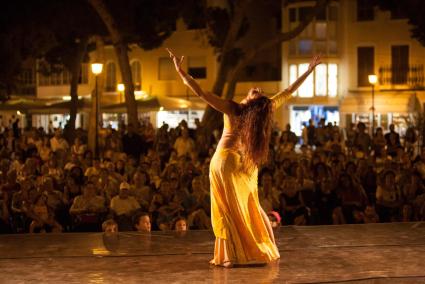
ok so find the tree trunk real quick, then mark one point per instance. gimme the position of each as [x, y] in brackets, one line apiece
[75, 70]
[121, 50]
[124, 62]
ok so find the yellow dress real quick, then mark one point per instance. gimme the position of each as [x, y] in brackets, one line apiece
[240, 231]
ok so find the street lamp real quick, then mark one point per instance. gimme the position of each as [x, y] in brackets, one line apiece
[373, 79]
[96, 69]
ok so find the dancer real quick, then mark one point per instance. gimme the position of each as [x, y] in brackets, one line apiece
[241, 227]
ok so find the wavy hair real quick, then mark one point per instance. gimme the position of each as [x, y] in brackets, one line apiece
[254, 125]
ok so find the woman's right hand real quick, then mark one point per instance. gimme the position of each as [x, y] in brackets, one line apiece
[177, 61]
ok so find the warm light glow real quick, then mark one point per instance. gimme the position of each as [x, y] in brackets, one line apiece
[161, 108]
[320, 80]
[332, 80]
[120, 87]
[373, 79]
[96, 68]
[140, 95]
[306, 90]
[66, 98]
[183, 105]
[18, 112]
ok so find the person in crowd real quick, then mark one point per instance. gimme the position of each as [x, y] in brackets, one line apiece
[275, 219]
[87, 209]
[43, 218]
[184, 144]
[124, 206]
[389, 198]
[58, 143]
[132, 143]
[142, 222]
[110, 226]
[392, 139]
[180, 224]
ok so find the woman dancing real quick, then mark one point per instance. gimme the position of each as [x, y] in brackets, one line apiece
[241, 227]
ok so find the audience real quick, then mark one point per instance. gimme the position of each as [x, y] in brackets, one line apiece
[147, 179]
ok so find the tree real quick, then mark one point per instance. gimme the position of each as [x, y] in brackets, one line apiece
[225, 30]
[73, 26]
[410, 9]
[145, 22]
[22, 36]
[57, 32]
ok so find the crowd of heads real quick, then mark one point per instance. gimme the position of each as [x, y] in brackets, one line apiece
[158, 179]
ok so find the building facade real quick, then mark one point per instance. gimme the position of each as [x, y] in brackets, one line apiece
[356, 40]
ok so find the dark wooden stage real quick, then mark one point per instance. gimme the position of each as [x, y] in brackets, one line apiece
[377, 253]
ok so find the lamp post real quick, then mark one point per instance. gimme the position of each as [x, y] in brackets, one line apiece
[373, 79]
[96, 69]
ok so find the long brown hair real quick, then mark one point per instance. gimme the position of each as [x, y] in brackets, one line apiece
[254, 125]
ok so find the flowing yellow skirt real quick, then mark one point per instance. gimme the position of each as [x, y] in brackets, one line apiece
[240, 231]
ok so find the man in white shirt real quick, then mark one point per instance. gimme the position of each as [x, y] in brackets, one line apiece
[58, 142]
[123, 203]
[184, 145]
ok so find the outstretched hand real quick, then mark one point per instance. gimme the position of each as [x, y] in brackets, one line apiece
[177, 61]
[316, 60]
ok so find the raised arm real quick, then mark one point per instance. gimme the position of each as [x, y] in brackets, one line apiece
[224, 106]
[279, 98]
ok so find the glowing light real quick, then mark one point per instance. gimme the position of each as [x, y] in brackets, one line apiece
[373, 79]
[120, 87]
[161, 108]
[96, 68]
[66, 98]
[18, 112]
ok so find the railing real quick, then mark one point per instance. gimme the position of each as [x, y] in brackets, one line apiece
[411, 76]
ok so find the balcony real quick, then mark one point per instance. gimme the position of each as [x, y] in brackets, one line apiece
[408, 76]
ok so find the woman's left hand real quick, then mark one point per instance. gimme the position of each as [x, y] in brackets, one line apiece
[316, 60]
[177, 61]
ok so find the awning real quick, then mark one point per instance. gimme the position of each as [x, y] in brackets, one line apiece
[62, 107]
[22, 104]
[154, 104]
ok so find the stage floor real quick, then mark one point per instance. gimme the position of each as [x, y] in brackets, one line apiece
[375, 253]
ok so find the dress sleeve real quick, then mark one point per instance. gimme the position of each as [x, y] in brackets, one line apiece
[279, 98]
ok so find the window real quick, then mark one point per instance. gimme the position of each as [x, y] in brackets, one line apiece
[320, 80]
[111, 80]
[323, 81]
[319, 36]
[61, 76]
[305, 47]
[136, 73]
[365, 65]
[399, 64]
[303, 13]
[166, 69]
[332, 80]
[306, 90]
[197, 67]
[365, 10]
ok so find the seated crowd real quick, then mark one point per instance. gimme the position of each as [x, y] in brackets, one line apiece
[147, 179]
